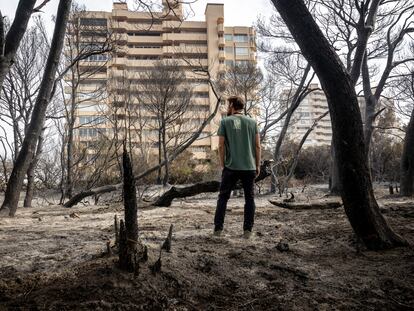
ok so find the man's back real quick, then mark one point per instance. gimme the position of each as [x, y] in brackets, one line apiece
[239, 133]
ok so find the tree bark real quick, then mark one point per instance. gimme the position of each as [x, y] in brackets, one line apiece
[31, 171]
[335, 185]
[129, 232]
[203, 187]
[69, 143]
[357, 192]
[15, 183]
[9, 44]
[166, 166]
[407, 161]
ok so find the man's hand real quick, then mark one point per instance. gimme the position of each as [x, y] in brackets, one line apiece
[257, 171]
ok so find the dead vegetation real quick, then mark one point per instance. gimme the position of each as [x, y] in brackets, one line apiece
[298, 260]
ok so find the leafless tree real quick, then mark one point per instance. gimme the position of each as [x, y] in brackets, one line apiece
[243, 80]
[166, 94]
[364, 33]
[9, 43]
[89, 44]
[404, 91]
[286, 64]
[357, 194]
[35, 126]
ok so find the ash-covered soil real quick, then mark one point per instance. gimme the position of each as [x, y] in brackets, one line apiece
[51, 261]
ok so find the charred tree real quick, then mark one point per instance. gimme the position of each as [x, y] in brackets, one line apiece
[27, 150]
[31, 171]
[203, 187]
[407, 161]
[9, 43]
[348, 138]
[109, 188]
[128, 235]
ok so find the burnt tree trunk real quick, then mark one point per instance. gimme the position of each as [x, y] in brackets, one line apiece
[348, 137]
[407, 161]
[31, 171]
[203, 187]
[14, 186]
[128, 235]
[9, 43]
[335, 185]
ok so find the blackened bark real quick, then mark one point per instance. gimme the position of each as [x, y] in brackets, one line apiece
[335, 185]
[69, 143]
[34, 128]
[9, 44]
[31, 171]
[129, 232]
[407, 161]
[164, 147]
[203, 187]
[357, 193]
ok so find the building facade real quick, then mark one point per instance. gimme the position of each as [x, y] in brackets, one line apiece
[313, 106]
[143, 39]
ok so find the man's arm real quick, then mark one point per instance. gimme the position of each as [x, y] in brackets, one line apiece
[258, 154]
[221, 151]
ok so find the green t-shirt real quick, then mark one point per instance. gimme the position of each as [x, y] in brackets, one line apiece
[239, 133]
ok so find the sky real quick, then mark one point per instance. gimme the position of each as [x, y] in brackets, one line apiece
[236, 12]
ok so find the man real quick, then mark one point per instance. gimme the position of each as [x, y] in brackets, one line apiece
[239, 155]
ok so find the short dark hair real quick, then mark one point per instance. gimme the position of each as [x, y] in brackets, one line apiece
[236, 102]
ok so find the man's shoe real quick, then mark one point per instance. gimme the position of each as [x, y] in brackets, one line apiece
[247, 234]
[217, 232]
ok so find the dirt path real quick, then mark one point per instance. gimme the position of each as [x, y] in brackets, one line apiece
[50, 261]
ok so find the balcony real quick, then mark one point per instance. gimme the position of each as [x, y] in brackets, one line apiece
[169, 50]
[220, 28]
[222, 55]
[119, 25]
[121, 38]
[144, 39]
[144, 51]
[184, 37]
[119, 62]
[221, 41]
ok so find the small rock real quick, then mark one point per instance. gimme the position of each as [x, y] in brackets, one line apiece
[282, 246]
[74, 215]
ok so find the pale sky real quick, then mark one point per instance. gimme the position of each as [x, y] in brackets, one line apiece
[236, 12]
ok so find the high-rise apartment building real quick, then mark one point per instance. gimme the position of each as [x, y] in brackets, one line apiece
[143, 39]
[313, 106]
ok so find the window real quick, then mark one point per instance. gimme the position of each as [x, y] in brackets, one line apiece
[221, 48]
[229, 62]
[201, 95]
[228, 37]
[241, 62]
[93, 21]
[91, 120]
[88, 132]
[97, 58]
[229, 49]
[242, 51]
[241, 38]
[221, 61]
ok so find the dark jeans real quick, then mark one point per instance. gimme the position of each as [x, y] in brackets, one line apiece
[229, 179]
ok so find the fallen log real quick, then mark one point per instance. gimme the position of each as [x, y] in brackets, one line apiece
[203, 187]
[307, 205]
